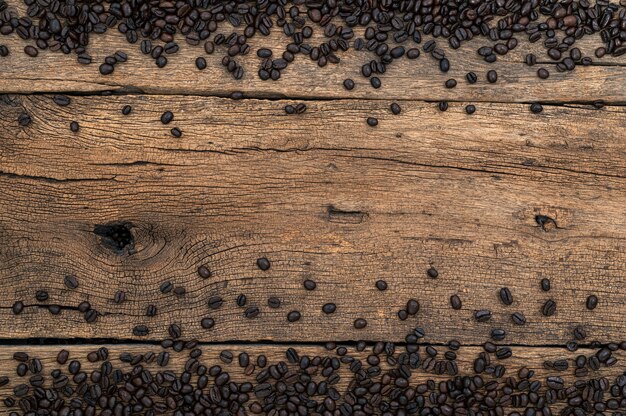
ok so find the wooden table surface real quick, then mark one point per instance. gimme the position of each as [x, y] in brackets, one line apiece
[322, 195]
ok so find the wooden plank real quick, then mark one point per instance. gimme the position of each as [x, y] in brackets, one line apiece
[418, 80]
[531, 358]
[341, 203]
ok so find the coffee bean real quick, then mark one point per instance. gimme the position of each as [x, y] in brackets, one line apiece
[372, 122]
[251, 312]
[360, 323]
[443, 106]
[167, 117]
[290, 109]
[62, 356]
[412, 307]
[176, 132]
[293, 316]
[444, 66]
[592, 302]
[492, 76]
[263, 263]
[215, 302]
[180, 291]
[381, 285]
[166, 287]
[151, 310]
[91, 315]
[207, 323]
[17, 307]
[141, 331]
[470, 109]
[106, 69]
[24, 119]
[84, 306]
[120, 296]
[74, 127]
[71, 282]
[455, 302]
[498, 334]
[273, 302]
[536, 108]
[241, 300]
[41, 295]
[200, 63]
[54, 309]
[329, 308]
[62, 100]
[375, 82]
[531, 59]
[348, 84]
[174, 331]
[451, 83]
[518, 318]
[543, 73]
[4, 51]
[126, 110]
[505, 296]
[309, 284]
[545, 284]
[549, 308]
[580, 333]
[31, 51]
[395, 108]
[204, 272]
[482, 315]
[471, 77]
[432, 273]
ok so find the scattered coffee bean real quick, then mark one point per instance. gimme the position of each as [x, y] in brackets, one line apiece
[372, 122]
[263, 263]
[395, 108]
[592, 302]
[455, 302]
[536, 108]
[309, 284]
[167, 117]
[293, 316]
[381, 285]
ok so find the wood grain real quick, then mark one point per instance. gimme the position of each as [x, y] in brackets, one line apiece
[418, 80]
[531, 358]
[341, 203]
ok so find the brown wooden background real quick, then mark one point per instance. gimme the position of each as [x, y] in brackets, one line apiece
[322, 195]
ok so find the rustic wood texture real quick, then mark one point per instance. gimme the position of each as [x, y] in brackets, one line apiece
[418, 80]
[531, 358]
[341, 203]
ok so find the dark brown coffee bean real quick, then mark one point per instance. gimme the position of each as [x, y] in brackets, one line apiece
[536, 108]
[545, 284]
[432, 273]
[84, 307]
[215, 302]
[176, 132]
[518, 318]
[204, 272]
[492, 76]
[54, 309]
[62, 100]
[471, 77]
[470, 109]
[24, 119]
[31, 51]
[372, 122]
[263, 263]
[348, 84]
[241, 300]
[451, 83]
[21, 357]
[180, 291]
[174, 331]
[309, 284]
[549, 308]
[592, 302]
[443, 106]
[71, 282]
[455, 302]
[41, 295]
[360, 323]
[482, 315]
[207, 323]
[126, 110]
[505, 296]
[120, 296]
[91, 315]
[166, 287]
[200, 63]
[381, 285]
[329, 308]
[106, 69]
[412, 307]
[273, 302]
[543, 73]
[167, 117]
[141, 331]
[251, 312]
[395, 108]
[293, 316]
[18, 307]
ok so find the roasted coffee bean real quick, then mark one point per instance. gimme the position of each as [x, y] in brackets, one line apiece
[54, 309]
[443, 106]
[309, 284]
[543, 73]
[180, 291]
[174, 331]
[470, 109]
[74, 127]
[4, 51]
[432, 273]
[395, 108]
[241, 300]
[106, 69]
[62, 100]
[41, 295]
[505, 296]
[360, 323]
[329, 308]
[492, 76]
[381, 285]
[372, 122]
[120, 296]
[536, 108]
[412, 307]
[580, 333]
[176, 132]
[290, 109]
[518, 318]
[71, 282]
[498, 334]
[151, 310]
[215, 302]
[293, 316]
[141, 331]
[549, 308]
[200, 63]
[18, 307]
[84, 306]
[471, 77]
[592, 302]
[482, 315]
[166, 287]
[273, 302]
[451, 83]
[126, 110]
[167, 117]
[348, 84]
[207, 323]
[204, 272]
[251, 312]
[455, 302]
[31, 51]
[263, 263]
[545, 284]
[24, 119]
